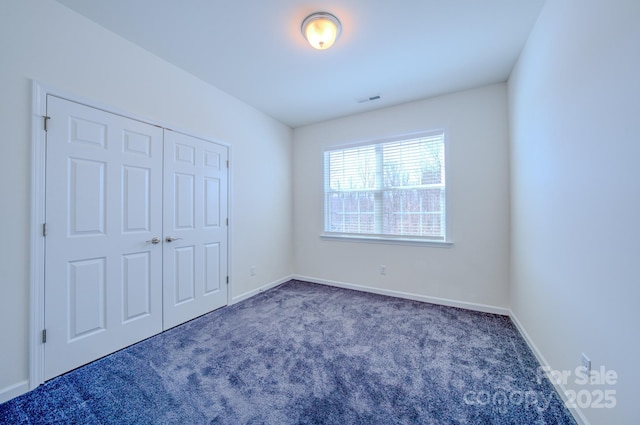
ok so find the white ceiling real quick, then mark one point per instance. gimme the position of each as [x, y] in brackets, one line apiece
[402, 50]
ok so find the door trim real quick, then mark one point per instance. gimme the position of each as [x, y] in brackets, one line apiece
[36, 271]
[37, 214]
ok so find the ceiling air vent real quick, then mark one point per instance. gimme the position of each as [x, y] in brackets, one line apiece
[369, 99]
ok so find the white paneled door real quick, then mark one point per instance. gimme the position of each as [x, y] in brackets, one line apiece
[104, 260]
[195, 229]
[103, 206]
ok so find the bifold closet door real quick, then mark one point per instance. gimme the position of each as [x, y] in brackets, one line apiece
[195, 227]
[103, 267]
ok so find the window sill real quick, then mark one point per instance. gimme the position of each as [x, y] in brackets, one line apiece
[383, 240]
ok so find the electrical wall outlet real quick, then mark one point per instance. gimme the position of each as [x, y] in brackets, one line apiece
[383, 270]
[586, 364]
[252, 270]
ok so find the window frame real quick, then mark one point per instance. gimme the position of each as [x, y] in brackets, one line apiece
[383, 238]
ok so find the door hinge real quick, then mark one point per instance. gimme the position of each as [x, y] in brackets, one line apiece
[44, 336]
[46, 122]
[227, 280]
[227, 221]
[227, 163]
[44, 229]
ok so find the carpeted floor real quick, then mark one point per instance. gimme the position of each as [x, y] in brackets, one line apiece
[312, 354]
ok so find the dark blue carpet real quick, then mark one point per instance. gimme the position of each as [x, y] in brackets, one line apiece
[306, 353]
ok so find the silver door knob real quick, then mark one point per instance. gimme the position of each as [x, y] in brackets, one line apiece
[154, 241]
[170, 239]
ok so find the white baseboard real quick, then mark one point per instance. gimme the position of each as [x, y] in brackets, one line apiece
[409, 296]
[13, 391]
[577, 413]
[249, 294]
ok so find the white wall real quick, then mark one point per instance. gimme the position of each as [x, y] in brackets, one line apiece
[42, 40]
[574, 101]
[475, 269]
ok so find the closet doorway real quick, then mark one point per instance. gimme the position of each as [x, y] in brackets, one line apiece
[135, 233]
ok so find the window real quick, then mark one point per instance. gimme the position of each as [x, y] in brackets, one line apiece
[390, 190]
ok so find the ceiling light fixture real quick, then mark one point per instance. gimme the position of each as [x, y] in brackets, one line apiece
[321, 29]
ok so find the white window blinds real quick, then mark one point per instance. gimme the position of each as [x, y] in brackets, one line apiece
[390, 189]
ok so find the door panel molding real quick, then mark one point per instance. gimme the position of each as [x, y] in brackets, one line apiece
[88, 186]
[195, 186]
[91, 134]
